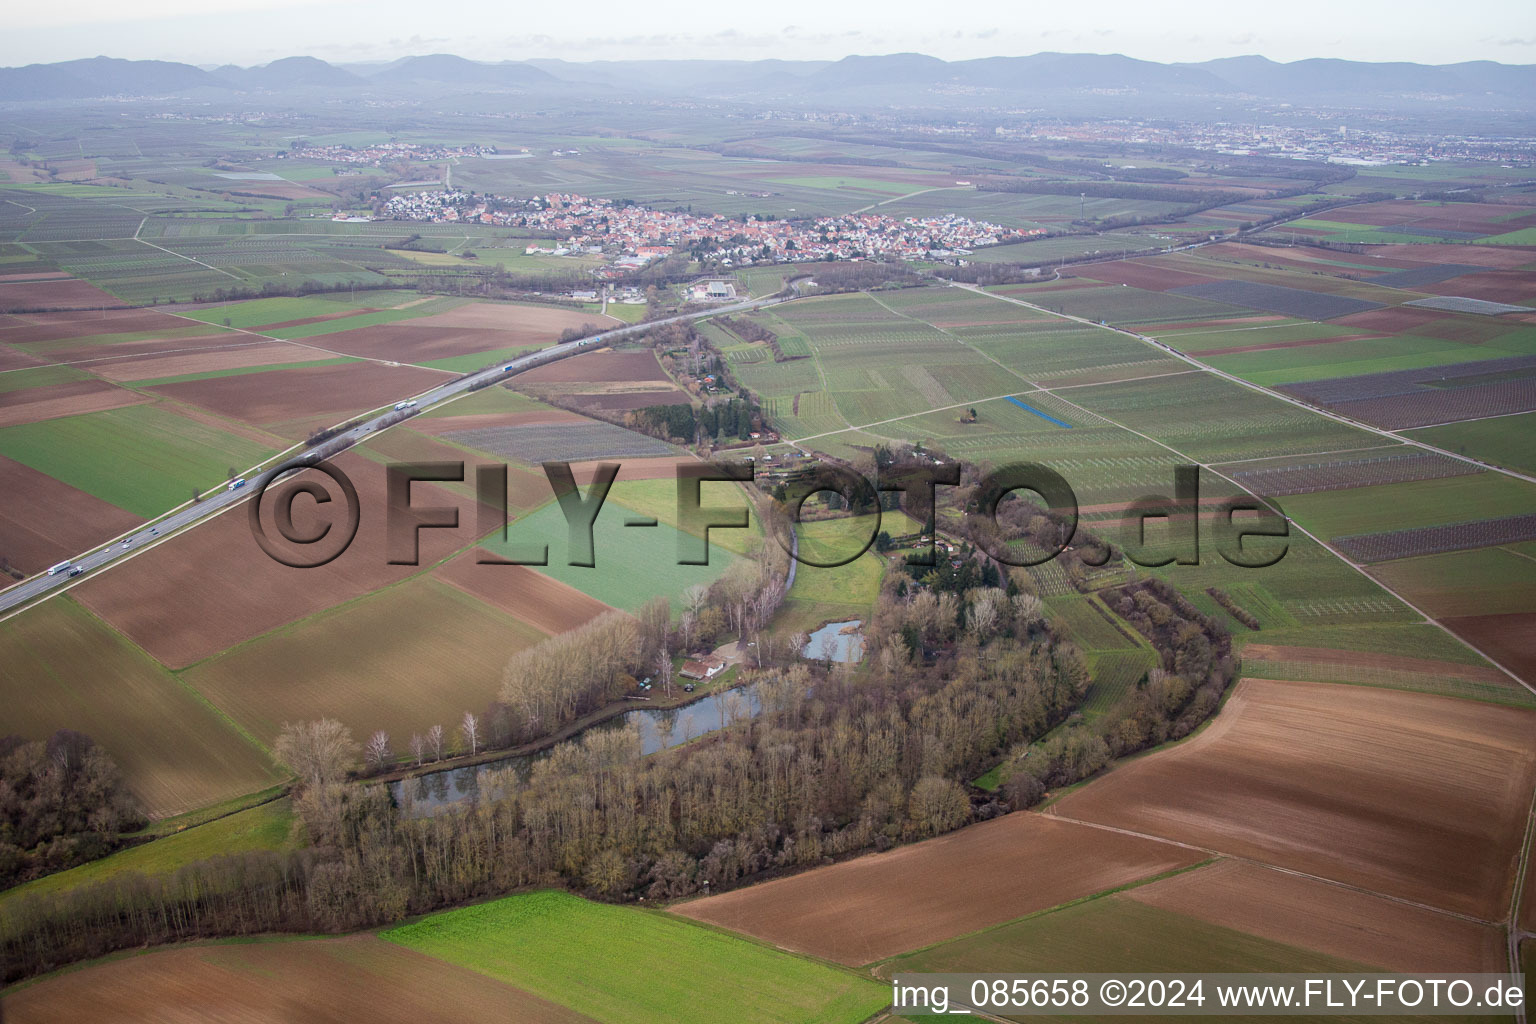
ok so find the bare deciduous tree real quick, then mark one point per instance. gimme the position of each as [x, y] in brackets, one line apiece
[664, 671]
[469, 729]
[418, 748]
[317, 752]
[435, 741]
[377, 752]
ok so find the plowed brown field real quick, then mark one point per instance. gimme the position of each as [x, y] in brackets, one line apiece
[480, 421]
[356, 978]
[544, 603]
[1509, 639]
[64, 293]
[1140, 275]
[1393, 319]
[293, 402]
[14, 359]
[33, 405]
[43, 520]
[409, 343]
[54, 326]
[1406, 794]
[1493, 285]
[623, 401]
[1497, 257]
[226, 357]
[596, 367]
[882, 904]
[1329, 918]
[90, 353]
[510, 317]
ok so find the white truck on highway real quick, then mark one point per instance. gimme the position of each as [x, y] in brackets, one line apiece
[55, 570]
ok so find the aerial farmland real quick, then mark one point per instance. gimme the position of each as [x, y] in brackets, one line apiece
[617, 541]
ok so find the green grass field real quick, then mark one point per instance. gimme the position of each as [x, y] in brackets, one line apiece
[1450, 499]
[658, 498]
[259, 312]
[42, 376]
[1487, 581]
[1347, 358]
[268, 826]
[632, 564]
[1503, 440]
[144, 459]
[638, 966]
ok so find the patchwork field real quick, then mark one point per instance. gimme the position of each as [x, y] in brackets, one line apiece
[43, 520]
[875, 906]
[321, 980]
[65, 669]
[1409, 795]
[76, 398]
[400, 660]
[293, 402]
[630, 960]
[215, 587]
[1331, 919]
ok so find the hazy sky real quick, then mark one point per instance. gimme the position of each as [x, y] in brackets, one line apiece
[256, 31]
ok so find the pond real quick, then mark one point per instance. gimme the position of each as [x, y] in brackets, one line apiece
[660, 728]
[836, 641]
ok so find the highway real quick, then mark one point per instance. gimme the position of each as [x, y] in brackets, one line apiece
[44, 585]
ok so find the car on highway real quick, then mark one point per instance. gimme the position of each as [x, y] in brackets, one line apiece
[76, 570]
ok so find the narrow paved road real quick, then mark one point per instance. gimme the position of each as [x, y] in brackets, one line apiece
[44, 585]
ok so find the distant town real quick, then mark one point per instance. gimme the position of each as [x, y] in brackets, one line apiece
[636, 234]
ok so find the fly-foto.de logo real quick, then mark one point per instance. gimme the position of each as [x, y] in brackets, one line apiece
[1246, 530]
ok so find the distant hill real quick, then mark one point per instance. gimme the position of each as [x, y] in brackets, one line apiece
[104, 76]
[290, 73]
[1070, 82]
[444, 69]
[1329, 78]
